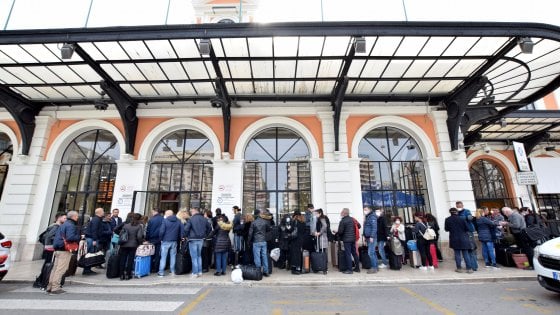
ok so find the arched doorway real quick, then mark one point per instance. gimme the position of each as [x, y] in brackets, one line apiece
[87, 173]
[489, 185]
[6, 151]
[392, 173]
[277, 172]
[181, 172]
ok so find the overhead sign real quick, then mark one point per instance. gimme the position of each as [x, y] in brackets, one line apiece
[521, 157]
[527, 178]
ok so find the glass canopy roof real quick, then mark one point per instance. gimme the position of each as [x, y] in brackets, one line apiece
[419, 62]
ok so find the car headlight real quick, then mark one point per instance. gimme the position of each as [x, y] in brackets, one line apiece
[536, 251]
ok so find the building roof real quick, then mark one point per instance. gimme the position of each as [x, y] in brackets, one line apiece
[476, 69]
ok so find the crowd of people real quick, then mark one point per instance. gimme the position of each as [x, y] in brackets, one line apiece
[256, 234]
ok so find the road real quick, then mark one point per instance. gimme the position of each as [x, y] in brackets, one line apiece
[519, 297]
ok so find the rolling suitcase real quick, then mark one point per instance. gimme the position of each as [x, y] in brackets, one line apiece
[341, 259]
[318, 259]
[251, 273]
[113, 266]
[334, 256]
[503, 256]
[415, 260]
[365, 260]
[395, 261]
[306, 268]
[141, 266]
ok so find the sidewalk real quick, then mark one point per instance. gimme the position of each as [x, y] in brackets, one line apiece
[27, 271]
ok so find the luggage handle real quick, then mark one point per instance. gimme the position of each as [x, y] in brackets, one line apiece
[317, 247]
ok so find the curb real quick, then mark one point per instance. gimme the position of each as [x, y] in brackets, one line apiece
[314, 283]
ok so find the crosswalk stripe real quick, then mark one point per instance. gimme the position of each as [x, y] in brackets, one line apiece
[47, 304]
[119, 290]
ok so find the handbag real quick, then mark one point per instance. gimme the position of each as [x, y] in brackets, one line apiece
[396, 246]
[429, 234]
[145, 250]
[411, 244]
[91, 259]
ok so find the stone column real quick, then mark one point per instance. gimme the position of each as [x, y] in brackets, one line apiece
[16, 206]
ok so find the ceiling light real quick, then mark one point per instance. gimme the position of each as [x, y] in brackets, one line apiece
[67, 51]
[204, 46]
[360, 45]
[526, 45]
[503, 122]
[550, 148]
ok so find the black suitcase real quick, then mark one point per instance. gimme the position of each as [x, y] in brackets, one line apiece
[72, 266]
[45, 275]
[318, 259]
[365, 260]
[183, 263]
[341, 259]
[503, 256]
[251, 273]
[113, 266]
[395, 261]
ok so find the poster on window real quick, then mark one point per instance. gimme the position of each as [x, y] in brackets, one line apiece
[521, 157]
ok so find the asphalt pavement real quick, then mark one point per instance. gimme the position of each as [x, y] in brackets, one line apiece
[517, 297]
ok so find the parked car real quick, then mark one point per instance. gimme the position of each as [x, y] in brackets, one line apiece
[547, 264]
[5, 245]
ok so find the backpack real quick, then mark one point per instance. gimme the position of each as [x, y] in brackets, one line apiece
[123, 236]
[330, 235]
[429, 234]
[45, 233]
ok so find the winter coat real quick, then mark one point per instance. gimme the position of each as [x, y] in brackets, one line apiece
[346, 230]
[466, 213]
[94, 228]
[381, 229]
[516, 222]
[236, 224]
[171, 229]
[69, 231]
[106, 232]
[135, 235]
[50, 234]
[486, 229]
[419, 230]
[370, 225]
[115, 221]
[458, 232]
[400, 231]
[223, 243]
[197, 228]
[154, 225]
[296, 245]
[259, 228]
[287, 226]
[322, 228]
[496, 219]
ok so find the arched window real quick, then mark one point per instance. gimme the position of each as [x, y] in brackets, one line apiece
[87, 173]
[6, 152]
[392, 173]
[277, 173]
[489, 184]
[181, 172]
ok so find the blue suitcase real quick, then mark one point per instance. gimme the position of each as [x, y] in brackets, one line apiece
[142, 266]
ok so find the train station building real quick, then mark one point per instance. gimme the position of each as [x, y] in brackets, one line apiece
[404, 116]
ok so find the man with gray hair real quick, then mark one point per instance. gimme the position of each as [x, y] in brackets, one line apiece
[347, 233]
[516, 224]
[66, 234]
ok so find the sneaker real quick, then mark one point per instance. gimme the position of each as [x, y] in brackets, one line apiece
[57, 292]
[431, 268]
[459, 270]
[223, 273]
[488, 266]
[266, 274]
[423, 268]
[470, 271]
[89, 272]
[160, 275]
[370, 271]
[199, 275]
[495, 267]
[347, 272]
[172, 274]
[194, 275]
[382, 266]
[217, 273]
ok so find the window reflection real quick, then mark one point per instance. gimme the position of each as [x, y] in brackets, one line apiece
[488, 182]
[277, 173]
[392, 173]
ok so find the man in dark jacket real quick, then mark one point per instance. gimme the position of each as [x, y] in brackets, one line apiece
[382, 237]
[152, 236]
[66, 232]
[170, 233]
[237, 237]
[115, 219]
[94, 236]
[347, 234]
[257, 234]
[467, 215]
[196, 230]
[371, 233]
[458, 230]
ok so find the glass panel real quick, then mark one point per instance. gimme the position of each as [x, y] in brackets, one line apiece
[460, 46]
[284, 69]
[16, 53]
[186, 48]
[112, 50]
[184, 88]
[386, 46]
[304, 87]
[234, 47]
[324, 87]
[284, 87]
[92, 51]
[411, 46]
[374, 68]
[143, 89]
[151, 71]
[165, 89]
[396, 68]
[435, 46]
[86, 73]
[260, 47]
[262, 69]
[312, 46]
[136, 50]
[8, 78]
[285, 46]
[129, 71]
[25, 75]
[45, 74]
[175, 184]
[113, 72]
[307, 68]
[465, 68]
[440, 68]
[161, 49]
[329, 68]
[335, 45]
[174, 70]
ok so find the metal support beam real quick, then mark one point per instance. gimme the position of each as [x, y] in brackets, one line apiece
[457, 106]
[531, 141]
[474, 135]
[124, 103]
[339, 92]
[222, 100]
[23, 112]
[473, 115]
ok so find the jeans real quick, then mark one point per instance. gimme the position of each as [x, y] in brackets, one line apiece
[381, 247]
[466, 257]
[238, 243]
[195, 249]
[472, 253]
[259, 252]
[221, 261]
[371, 253]
[488, 253]
[171, 248]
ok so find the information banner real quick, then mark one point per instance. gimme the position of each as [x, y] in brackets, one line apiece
[521, 157]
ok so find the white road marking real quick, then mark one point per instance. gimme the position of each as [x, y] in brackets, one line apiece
[118, 290]
[131, 306]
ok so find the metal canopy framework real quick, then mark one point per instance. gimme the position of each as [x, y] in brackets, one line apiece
[476, 71]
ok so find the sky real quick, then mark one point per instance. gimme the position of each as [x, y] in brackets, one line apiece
[31, 14]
